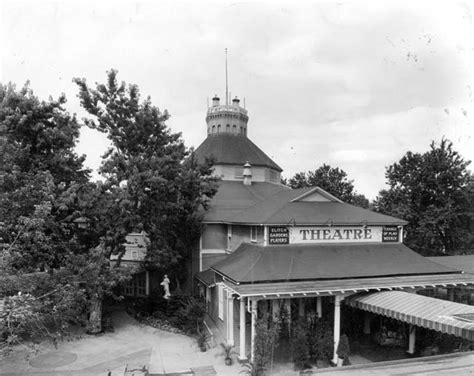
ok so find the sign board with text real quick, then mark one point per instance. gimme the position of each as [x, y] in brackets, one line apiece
[390, 234]
[335, 234]
[278, 235]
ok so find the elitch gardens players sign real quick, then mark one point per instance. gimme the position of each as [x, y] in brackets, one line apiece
[328, 234]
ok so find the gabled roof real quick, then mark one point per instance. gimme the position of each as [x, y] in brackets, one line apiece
[252, 263]
[266, 203]
[232, 149]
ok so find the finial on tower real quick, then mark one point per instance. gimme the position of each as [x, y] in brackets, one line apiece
[226, 81]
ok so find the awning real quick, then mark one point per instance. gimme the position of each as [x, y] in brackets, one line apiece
[431, 313]
[206, 277]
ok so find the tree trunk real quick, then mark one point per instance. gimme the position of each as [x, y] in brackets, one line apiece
[94, 325]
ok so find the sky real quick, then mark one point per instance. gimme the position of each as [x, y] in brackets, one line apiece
[353, 84]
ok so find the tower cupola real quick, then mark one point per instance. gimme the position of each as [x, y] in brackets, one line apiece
[226, 118]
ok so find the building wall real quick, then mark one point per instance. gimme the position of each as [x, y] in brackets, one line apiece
[259, 174]
[214, 236]
[218, 240]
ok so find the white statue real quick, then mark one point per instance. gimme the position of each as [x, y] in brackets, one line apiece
[166, 285]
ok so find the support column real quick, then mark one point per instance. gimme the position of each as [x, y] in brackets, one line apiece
[147, 283]
[451, 294]
[254, 324]
[287, 305]
[337, 325]
[319, 307]
[301, 307]
[242, 355]
[275, 309]
[367, 323]
[411, 340]
[230, 318]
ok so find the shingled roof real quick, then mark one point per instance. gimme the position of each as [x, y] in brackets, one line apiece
[273, 204]
[252, 263]
[232, 149]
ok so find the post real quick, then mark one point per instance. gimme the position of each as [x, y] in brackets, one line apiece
[230, 318]
[147, 283]
[337, 325]
[411, 340]
[287, 305]
[451, 294]
[242, 355]
[253, 328]
[367, 323]
[301, 307]
[275, 309]
[319, 308]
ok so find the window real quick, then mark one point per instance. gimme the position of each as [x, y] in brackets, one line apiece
[141, 286]
[219, 128]
[234, 128]
[227, 127]
[238, 173]
[136, 286]
[220, 293]
[134, 255]
[253, 233]
[229, 235]
[273, 175]
[213, 129]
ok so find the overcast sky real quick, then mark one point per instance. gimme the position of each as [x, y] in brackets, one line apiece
[354, 84]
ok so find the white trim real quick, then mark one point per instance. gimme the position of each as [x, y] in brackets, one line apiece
[305, 293]
[220, 302]
[210, 251]
[200, 253]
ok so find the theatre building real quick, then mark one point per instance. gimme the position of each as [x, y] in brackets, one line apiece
[265, 246]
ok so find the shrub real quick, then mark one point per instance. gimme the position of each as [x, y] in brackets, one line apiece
[266, 337]
[343, 349]
[299, 346]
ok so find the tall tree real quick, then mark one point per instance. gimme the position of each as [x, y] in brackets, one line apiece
[39, 162]
[165, 187]
[431, 192]
[333, 180]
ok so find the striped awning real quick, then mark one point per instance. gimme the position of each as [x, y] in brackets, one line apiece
[431, 313]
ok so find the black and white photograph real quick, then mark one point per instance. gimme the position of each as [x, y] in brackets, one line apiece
[236, 187]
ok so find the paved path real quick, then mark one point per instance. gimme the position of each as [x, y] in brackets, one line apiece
[137, 345]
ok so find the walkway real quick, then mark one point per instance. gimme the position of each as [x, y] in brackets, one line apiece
[137, 345]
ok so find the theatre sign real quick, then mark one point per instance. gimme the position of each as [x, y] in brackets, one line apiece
[330, 234]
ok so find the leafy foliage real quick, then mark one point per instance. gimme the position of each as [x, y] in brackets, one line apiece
[266, 339]
[300, 351]
[332, 180]
[433, 192]
[164, 185]
[343, 349]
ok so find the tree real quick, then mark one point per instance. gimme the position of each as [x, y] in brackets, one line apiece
[431, 191]
[39, 162]
[333, 180]
[45, 189]
[165, 187]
